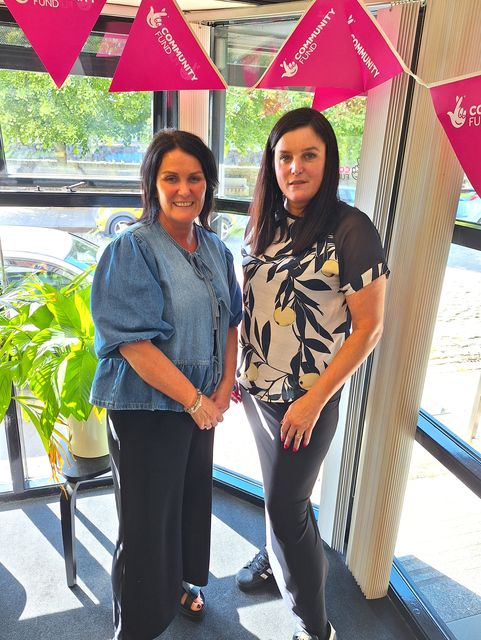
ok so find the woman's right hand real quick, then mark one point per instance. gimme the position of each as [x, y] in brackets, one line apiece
[207, 415]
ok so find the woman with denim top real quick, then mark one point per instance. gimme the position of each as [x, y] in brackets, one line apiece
[166, 305]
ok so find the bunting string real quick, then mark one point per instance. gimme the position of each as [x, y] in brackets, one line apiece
[337, 47]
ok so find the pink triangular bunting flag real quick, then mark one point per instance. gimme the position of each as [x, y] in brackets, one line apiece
[376, 59]
[163, 54]
[317, 53]
[56, 30]
[326, 97]
[458, 106]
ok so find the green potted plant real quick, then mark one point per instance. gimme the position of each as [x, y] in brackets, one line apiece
[47, 364]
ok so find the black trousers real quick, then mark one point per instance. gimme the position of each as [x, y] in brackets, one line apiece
[294, 543]
[162, 471]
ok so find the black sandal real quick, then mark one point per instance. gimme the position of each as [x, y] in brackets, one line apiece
[185, 607]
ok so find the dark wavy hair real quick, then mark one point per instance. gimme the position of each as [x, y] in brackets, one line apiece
[163, 142]
[267, 212]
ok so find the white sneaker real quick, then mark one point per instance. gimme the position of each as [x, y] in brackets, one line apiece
[302, 634]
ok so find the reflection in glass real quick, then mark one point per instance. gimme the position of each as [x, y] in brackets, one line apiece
[439, 544]
[452, 388]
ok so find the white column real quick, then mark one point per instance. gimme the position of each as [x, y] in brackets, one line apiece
[194, 105]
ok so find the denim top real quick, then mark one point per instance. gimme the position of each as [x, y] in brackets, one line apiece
[147, 287]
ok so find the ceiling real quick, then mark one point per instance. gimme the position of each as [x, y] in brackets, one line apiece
[220, 5]
[193, 5]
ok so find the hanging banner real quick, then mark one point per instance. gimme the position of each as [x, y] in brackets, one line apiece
[163, 54]
[377, 59]
[317, 53]
[337, 47]
[56, 29]
[458, 106]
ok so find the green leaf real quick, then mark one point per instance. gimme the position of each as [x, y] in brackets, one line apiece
[44, 383]
[33, 413]
[77, 383]
[82, 304]
[65, 314]
[6, 377]
[42, 317]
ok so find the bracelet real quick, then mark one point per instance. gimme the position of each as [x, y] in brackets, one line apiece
[197, 404]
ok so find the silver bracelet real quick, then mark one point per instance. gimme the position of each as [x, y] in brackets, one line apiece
[197, 404]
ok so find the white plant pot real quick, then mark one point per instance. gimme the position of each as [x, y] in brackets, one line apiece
[88, 439]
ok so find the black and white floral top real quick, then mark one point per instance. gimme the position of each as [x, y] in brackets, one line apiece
[295, 313]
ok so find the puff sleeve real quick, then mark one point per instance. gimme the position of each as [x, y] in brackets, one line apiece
[127, 300]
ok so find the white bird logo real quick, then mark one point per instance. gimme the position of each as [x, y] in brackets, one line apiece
[289, 69]
[154, 20]
[458, 116]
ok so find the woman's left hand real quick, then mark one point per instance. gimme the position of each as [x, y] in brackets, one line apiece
[222, 396]
[298, 422]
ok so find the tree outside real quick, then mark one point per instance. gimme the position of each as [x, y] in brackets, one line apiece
[251, 114]
[73, 123]
[86, 128]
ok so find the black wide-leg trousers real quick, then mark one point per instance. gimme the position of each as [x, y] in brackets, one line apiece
[162, 472]
[294, 543]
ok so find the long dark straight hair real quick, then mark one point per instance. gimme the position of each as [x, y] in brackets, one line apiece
[163, 142]
[267, 211]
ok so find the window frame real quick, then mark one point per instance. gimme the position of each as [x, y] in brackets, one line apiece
[460, 459]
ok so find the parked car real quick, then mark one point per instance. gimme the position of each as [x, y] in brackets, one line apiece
[111, 221]
[53, 255]
[469, 207]
[347, 194]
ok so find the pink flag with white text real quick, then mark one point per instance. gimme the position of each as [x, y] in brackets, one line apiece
[336, 47]
[57, 30]
[318, 52]
[376, 59]
[163, 54]
[458, 106]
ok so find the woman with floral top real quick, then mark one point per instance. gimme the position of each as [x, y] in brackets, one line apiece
[313, 267]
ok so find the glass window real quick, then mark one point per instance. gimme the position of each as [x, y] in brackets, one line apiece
[56, 256]
[438, 540]
[79, 133]
[36, 460]
[452, 388]
[438, 544]
[5, 475]
[59, 142]
[469, 206]
[249, 115]
[234, 447]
